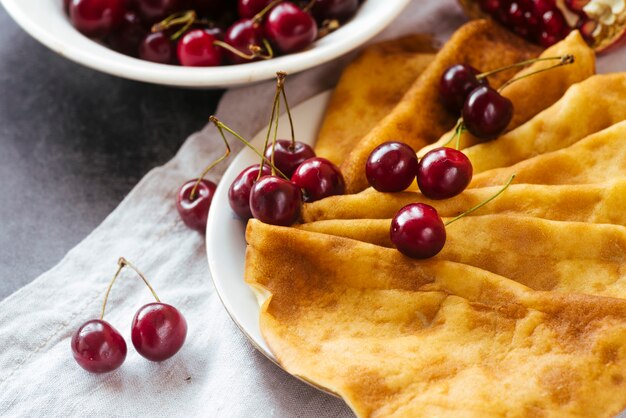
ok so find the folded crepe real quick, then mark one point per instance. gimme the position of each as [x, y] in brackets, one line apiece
[597, 158]
[369, 88]
[596, 203]
[533, 94]
[420, 118]
[538, 253]
[398, 337]
[587, 107]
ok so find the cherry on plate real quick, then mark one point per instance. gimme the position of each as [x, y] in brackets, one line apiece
[196, 49]
[288, 156]
[319, 178]
[241, 35]
[391, 167]
[98, 347]
[290, 28]
[455, 85]
[155, 10]
[248, 8]
[194, 212]
[239, 191]
[340, 10]
[157, 47]
[443, 173]
[275, 201]
[158, 331]
[127, 37]
[96, 18]
[487, 113]
[417, 231]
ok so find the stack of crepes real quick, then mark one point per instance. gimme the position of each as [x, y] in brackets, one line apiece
[523, 313]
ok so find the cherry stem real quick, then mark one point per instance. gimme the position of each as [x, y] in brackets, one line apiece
[269, 127]
[185, 18]
[258, 18]
[275, 136]
[327, 27]
[480, 205]
[255, 50]
[293, 134]
[121, 263]
[564, 60]
[523, 64]
[194, 190]
[458, 130]
[309, 6]
[223, 127]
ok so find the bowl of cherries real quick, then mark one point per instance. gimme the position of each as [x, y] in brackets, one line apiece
[202, 43]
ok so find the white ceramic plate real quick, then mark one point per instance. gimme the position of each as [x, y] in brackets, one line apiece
[225, 240]
[46, 22]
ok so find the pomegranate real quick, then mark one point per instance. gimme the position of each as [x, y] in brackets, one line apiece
[601, 22]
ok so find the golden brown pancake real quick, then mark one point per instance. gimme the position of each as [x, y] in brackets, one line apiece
[596, 203]
[598, 158]
[537, 92]
[397, 337]
[586, 108]
[541, 254]
[369, 87]
[419, 118]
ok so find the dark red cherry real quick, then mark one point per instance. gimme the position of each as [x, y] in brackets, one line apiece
[239, 191]
[287, 157]
[319, 178]
[153, 11]
[96, 18]
[290, 28]
[487, 113]
[417, 231]
[443, 173]
[158, 47]
[128, 36]
[158, 331]
[248, 8]
[455, 85]
[391, 167]
[194, 212]
[242, 35]
[275, 201]
[196, 49]
[340, 10]
[98, 347]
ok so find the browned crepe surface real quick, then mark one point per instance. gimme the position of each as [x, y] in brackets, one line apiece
[369, 87]
[398, 337]
[419, 118]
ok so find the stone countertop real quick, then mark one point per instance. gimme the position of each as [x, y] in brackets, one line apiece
[73, 143]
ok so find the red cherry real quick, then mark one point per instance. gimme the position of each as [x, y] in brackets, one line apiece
[194, 212]
[319, 178]
[96, 18]
[340, 10]
[157, 47]
[196, 49]
[241, 35]
[391, 167]
[287, 157]
[156, 10]
[487, 113]
[128, 36]
[455, 85]
[443, 173]
[158, 331]
[98, 347]
[417, 231]
[248, 8]
[290, 28]
[239, 191]
[275, 201]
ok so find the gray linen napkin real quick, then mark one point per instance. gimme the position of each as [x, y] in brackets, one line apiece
[218, 372]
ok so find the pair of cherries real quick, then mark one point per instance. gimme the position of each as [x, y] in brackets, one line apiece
[158, 331]
[273, 190]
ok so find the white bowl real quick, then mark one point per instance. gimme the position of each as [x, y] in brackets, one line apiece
[46, 22]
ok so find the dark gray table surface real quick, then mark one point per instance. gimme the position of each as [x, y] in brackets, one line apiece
[73, 143]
